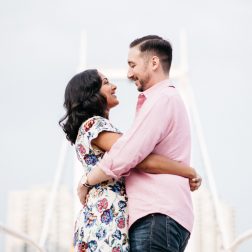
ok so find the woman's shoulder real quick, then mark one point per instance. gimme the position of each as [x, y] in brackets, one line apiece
[89, 129]
[92, 127]
[93, 122]
[97, 123]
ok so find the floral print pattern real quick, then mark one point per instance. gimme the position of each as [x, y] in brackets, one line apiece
[102, 224]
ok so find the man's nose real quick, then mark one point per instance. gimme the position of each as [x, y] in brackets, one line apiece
[130, 74]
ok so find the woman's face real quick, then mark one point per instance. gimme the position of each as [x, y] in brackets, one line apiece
[108, 91]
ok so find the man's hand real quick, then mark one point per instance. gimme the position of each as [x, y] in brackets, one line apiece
[195, 183]
[82, 193]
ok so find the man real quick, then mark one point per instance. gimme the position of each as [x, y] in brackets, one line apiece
[160, 207]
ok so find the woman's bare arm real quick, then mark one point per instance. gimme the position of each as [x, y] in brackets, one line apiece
[155, 163]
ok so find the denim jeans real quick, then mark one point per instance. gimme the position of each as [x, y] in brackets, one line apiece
[157, 233]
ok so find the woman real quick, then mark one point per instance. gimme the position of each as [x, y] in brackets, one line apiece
[102, 223]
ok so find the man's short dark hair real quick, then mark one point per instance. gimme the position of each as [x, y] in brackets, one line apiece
[159, 46]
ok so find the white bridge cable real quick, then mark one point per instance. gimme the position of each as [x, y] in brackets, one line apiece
[63, 152]
[189, 96]
[53, 194]
[239, 240]
[208, 167]
[21, 236]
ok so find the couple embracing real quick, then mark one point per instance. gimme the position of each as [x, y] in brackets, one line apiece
[136, 187]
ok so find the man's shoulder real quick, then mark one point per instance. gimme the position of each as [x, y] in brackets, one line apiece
[170, 90]
[167, 93]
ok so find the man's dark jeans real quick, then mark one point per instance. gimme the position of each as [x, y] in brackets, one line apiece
[157, 233]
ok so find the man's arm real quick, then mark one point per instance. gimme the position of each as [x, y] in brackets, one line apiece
[153, 163]
[151, 125]
[134, 146]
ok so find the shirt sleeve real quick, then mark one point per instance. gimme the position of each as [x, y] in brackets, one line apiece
[148, 129]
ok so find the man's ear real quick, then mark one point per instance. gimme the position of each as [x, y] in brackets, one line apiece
[155, 62]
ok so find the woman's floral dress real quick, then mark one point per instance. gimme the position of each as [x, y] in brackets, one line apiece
[102, 224]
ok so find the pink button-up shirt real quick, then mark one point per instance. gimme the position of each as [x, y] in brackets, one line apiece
[161, 126]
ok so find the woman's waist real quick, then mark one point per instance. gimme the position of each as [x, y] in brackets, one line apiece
[110, 189]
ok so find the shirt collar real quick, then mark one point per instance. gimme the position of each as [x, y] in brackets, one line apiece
[156, 87]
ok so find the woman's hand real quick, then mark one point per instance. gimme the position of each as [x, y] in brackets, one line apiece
[82, 192]
[195, 182]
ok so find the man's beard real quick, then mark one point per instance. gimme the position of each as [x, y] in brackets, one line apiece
[140, 89]
[143, 83]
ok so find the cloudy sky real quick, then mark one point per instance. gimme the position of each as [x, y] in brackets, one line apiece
[40, 51]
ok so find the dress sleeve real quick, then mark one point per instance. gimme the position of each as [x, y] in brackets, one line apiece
[93, 127]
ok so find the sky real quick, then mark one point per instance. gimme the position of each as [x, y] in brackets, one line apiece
[40, 52]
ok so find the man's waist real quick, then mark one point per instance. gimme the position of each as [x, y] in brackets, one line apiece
[137, 210]
[167, 194]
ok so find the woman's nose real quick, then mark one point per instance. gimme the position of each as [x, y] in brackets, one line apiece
[114, 87]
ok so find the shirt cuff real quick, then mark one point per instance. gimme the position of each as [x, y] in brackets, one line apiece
[107, 171]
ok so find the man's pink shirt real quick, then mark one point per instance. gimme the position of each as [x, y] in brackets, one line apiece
[161, 126]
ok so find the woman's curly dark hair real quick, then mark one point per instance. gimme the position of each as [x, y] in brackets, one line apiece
[82, 101]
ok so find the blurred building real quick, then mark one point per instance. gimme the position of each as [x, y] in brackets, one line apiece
[26, 212]
[205, 236]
